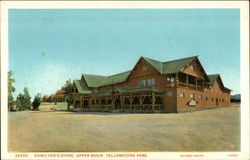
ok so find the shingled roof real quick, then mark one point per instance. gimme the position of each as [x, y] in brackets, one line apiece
[98, 81]
[170, 66]
[213, 77]
[163, 67]
[82, 87]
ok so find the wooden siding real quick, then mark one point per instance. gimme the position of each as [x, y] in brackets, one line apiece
[196, 72]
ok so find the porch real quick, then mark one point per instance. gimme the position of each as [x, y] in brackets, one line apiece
[185, 81]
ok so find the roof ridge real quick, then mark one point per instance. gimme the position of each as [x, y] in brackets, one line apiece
[152, 59]
[93, 75]
[181, 59]
[119, 73]
[213, 74]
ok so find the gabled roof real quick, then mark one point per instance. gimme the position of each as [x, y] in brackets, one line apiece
[156, 64]
[170, 66]
[98, 81]
[216, 77]
[82, 87]
[213, 77]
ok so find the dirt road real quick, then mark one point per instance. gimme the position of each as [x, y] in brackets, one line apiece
[207, 130]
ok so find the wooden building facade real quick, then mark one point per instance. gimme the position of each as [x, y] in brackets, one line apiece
[172, 86]
[59, 96]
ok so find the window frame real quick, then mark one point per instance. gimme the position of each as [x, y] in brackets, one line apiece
[181, 93]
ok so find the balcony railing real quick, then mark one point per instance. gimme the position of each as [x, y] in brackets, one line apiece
[185, 85]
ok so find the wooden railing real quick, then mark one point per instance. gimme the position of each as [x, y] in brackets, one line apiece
[185, 85]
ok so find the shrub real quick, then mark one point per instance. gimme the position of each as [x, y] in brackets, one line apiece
[36, 102]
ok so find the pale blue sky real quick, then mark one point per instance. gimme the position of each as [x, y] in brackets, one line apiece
[109, 41]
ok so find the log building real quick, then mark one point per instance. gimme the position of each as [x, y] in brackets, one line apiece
[172, 86]
[59, 96]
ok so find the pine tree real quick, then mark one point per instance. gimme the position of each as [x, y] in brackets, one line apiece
[27, 98]
[11, 90]
[68, 93]
[23, 100]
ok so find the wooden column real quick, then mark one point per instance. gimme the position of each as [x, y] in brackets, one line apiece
[153, 101]
[113, 103]
[130, 102]
[81, 104]
[202, 84]
[195, 82]
[140, 102]
[74, 103]
[122, 102]
[176, 79]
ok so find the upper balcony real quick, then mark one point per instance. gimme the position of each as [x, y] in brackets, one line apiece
[184, 81]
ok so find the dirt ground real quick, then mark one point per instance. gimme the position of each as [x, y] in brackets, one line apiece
[48, 130]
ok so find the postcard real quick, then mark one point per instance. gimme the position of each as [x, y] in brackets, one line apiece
[124, 80]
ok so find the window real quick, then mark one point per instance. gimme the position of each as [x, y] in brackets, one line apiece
[206, 98]
[151, 82]
[212, 99]
[148, 82]
[169, 93]
[191, 67]
[191, 95]
[170, 78]
[142, 83]
[200, 96]
[181, 95]
[222, 100]
[144, 68]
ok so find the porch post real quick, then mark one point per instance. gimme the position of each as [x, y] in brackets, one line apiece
[130, 102]
[176, 79]
[81, 99]
[153, 101]
[202, 84]
[140, 102]
[113, 102]
[74, 103]
[195, 82]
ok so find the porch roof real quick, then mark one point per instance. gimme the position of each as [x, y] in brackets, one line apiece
[139, 89]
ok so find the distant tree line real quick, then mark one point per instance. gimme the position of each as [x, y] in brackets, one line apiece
[23, 100]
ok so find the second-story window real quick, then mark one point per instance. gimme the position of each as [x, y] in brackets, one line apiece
[150, 82]
[147, 82]
[170, 78]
